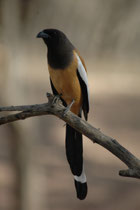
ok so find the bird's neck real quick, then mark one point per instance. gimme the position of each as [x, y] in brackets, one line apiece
[60, 57]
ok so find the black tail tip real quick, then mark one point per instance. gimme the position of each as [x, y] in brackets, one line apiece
[81, 189]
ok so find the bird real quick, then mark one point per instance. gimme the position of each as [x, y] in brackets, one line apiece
[68, 79]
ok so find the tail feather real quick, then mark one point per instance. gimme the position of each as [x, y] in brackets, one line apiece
[81, 189]
[74, 153]
[74, 150]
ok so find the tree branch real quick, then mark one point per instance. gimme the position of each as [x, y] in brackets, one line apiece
[55, 107]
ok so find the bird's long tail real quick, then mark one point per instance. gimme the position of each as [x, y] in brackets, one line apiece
[74, 153]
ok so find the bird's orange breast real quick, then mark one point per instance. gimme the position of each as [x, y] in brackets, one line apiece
[66, 83]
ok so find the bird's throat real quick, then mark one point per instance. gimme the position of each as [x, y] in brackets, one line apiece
[59, 59]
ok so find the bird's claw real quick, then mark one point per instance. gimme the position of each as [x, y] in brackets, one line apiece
[68, 107]
[56, 98]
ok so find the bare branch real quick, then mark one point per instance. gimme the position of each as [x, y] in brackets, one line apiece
[130, 173]
[95, 135]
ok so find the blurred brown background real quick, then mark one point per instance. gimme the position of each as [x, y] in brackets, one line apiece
[34, 174]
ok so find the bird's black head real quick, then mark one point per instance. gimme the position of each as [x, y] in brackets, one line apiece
[52, 37]
[60, 49]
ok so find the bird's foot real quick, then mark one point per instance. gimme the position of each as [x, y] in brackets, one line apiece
[68, 107]
[52, 99]
[56, 98]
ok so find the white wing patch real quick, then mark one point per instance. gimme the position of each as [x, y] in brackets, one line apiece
[82, 73]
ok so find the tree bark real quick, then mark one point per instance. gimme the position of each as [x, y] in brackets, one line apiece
[55, 107]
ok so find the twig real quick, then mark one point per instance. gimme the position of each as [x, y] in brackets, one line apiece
[95, 135]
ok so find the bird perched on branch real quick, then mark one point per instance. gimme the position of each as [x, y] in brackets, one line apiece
[68, 78]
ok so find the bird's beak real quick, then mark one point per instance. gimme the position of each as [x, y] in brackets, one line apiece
[42, 35]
